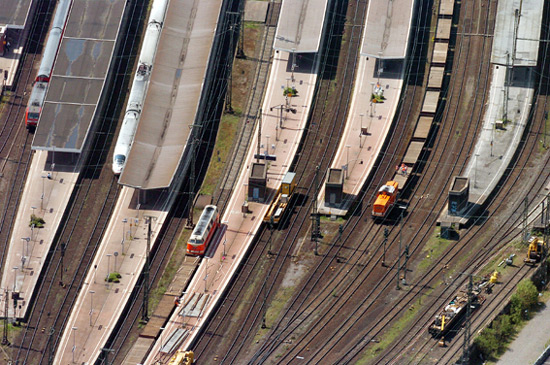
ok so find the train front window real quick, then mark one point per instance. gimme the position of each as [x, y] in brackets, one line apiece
[120, 159]
[34, 116]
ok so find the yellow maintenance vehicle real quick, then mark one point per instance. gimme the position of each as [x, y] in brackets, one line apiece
[282, 198]
[182, 358]
[535, 251]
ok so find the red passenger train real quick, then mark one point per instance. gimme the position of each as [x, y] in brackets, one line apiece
[204, 231]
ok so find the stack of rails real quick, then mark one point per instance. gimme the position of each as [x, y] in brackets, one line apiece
[432, 96]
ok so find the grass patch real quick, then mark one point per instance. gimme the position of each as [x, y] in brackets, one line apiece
[278, 303]
[326, 219]
[252, 25]
[176, 260]
[394, 332]
[516, 247]
[225, 139]
[432, 251]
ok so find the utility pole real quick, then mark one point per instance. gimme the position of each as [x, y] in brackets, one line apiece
[271, 226]
[315, 219]
[191, 203]
[145, 305]
[545, 246]
[467, 324]
[228, 94]
[240, 45]
[105, 351]
[340, 232]
[5, 341]
[386, 234]
[259, 137]
[50, 346]
[525, 215]
[399, 254]
[63, 246]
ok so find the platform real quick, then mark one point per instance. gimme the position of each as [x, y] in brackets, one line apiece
[47, 198]
[10, 60]
[99, 303]
[495, 148]
[357, 152]
[16, 13]
[243, 227]
[519, 20]
[79, 76]
[173, 94]
[300, 26]
[386, 33]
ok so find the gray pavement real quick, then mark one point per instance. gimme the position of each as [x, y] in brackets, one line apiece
[531, 341]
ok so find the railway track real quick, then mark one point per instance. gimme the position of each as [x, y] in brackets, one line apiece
[254, 263]
[71, 255]
[128, 328]
[352, 265]
[15, 141]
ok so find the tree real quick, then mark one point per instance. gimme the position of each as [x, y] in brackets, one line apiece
[524, 299]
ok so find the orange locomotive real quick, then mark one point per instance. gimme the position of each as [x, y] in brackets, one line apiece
[385, 199]
[204, 231]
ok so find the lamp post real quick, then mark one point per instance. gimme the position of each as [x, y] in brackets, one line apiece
[475, 170]
[26, 240]
[124, 221]
[161, 344]
[205, 274]
[91, 306]
[15, 268]
[74, 341]
[108, 264]
[33, 209]
[347, 160]
[116, 255]
[42, 197]
[361, 115]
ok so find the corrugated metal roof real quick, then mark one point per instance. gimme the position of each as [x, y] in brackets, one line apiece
[300, 26]
[386, 35]
[79, 75]
[523, 19]
[173, 95]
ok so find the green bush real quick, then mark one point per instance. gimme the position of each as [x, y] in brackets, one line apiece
[493, 340]
[113, 277]
[523, 300]
[290, 91]
[487, 342]
[37, 221]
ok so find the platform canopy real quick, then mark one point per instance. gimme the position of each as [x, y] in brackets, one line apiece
[387, 30]
[300, 26]
[520, 20]
[79, 75]
[173, 94]
[14, 13]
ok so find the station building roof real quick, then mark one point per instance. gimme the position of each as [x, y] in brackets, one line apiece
[173, 94]
[386, 33]
[523, 19]
[79, 75]
[300, 26]
[14, 13]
